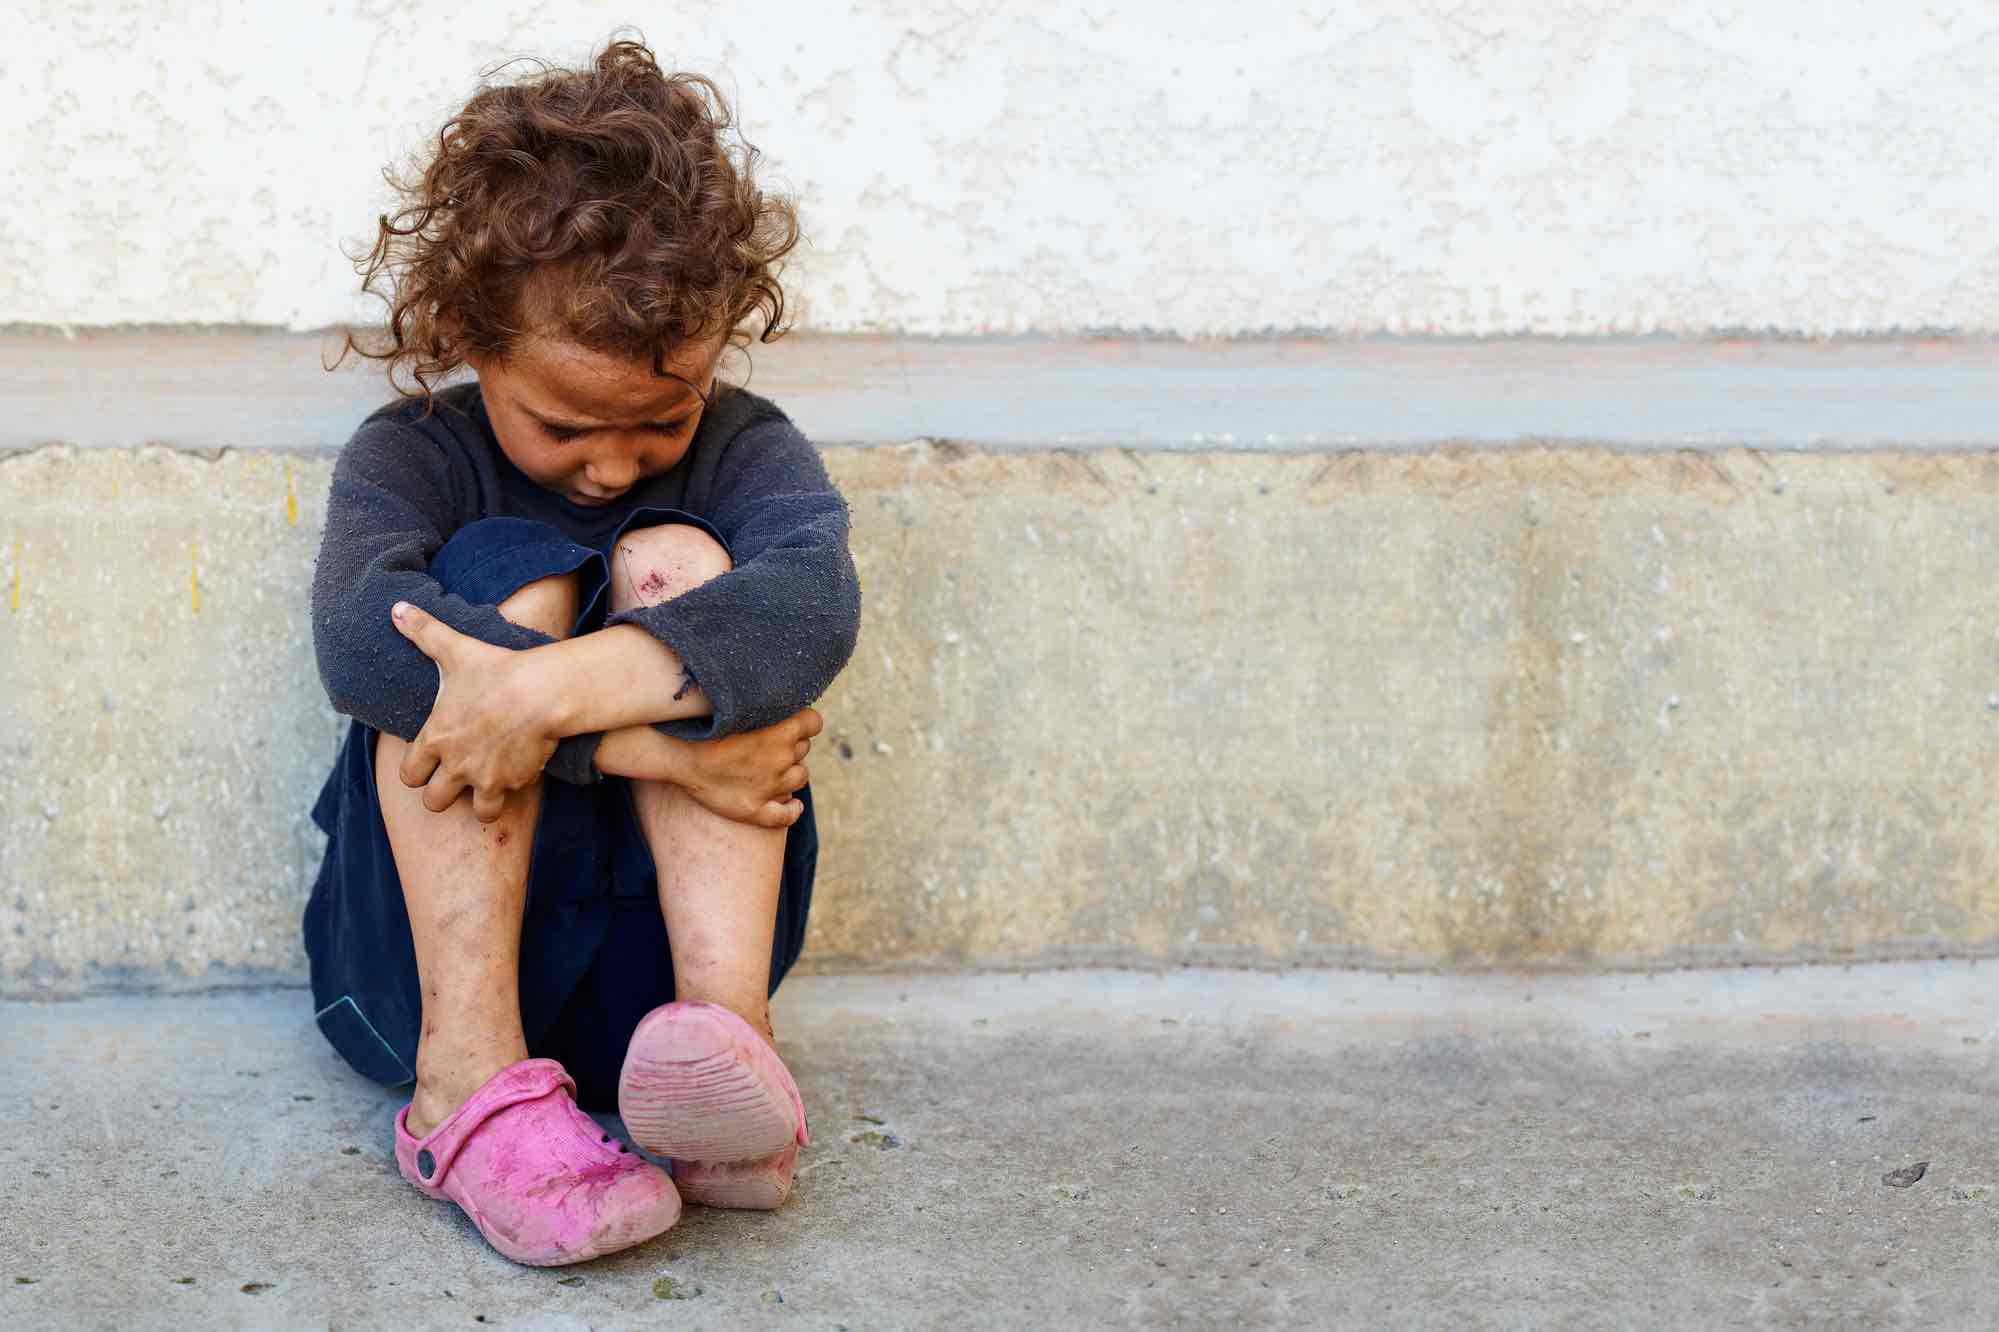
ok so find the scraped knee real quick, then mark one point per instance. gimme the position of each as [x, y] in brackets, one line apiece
[657, 564]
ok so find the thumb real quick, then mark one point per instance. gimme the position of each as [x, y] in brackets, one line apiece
[431, 637]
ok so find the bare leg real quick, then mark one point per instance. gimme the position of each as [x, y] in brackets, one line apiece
[465, 885]
[718, 880]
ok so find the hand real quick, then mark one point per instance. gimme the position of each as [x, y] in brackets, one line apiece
[750, 778]
[480, 735]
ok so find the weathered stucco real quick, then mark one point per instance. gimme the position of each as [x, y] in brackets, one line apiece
[1421, 166]
[1537, 706]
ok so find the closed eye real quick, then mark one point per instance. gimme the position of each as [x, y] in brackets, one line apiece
[563, 434]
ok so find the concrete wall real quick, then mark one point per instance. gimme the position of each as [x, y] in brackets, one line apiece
[1435, 166]
[1621, 703]
[1616, 652]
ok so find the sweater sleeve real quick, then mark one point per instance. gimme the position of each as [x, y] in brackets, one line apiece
[768, 637]
[393, 504]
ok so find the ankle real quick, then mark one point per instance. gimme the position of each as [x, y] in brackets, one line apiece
[756, 1014]
[445, 1082]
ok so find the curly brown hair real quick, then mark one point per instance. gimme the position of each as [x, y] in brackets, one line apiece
[616, 205]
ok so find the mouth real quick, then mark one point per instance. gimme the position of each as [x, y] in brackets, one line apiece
[592, 501]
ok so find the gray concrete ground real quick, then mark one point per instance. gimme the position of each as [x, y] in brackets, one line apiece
[1183, 1149]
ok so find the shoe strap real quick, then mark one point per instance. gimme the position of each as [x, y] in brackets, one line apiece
[529, 1080]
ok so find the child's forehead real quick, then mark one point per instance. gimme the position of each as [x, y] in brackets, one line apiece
[565, 373]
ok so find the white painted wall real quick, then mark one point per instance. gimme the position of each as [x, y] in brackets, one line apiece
[1422, 166]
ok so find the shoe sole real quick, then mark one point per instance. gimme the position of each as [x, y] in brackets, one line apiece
[754, 1186]
[598, 1247]
[690, 1092]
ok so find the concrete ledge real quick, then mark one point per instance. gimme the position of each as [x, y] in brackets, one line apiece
[208, 391]
[1190, 1150]
[1547, 707]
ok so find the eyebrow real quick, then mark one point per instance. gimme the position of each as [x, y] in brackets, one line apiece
[577, 427]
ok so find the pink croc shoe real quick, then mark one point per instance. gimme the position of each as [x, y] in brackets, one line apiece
[761, 1185]
[702, 1087]
[542, 1182]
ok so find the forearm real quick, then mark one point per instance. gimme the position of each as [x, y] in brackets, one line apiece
[752, 777]
[615, 678]
[644, 754]
[370, 672]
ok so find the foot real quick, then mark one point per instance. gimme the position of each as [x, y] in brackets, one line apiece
[542, 1182]
[703, 1087]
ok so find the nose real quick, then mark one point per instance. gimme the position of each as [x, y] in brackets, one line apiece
[614, 472]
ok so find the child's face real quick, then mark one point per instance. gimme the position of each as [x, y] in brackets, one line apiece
[590, 425]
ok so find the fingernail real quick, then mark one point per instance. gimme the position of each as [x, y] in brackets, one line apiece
[400, 609]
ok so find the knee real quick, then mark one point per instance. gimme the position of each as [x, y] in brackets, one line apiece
[469, 566]
[549, 604]
[657, 564]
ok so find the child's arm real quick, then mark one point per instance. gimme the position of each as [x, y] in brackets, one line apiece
[492, 728]
[749, 777]
[393, 502]
[768, 637]
[740, 653]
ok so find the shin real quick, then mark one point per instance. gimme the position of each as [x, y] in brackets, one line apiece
[718, 880]
[465, 887]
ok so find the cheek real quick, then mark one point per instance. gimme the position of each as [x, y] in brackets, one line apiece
[551, 464]
[666, 457]
[540, 460]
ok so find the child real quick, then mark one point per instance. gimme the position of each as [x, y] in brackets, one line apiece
[577, 610]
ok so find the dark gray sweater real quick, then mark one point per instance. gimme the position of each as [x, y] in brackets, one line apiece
[763, 640]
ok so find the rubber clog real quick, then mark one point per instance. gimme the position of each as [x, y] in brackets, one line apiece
[540, 1180]
[761, 1185]
[702, 1087]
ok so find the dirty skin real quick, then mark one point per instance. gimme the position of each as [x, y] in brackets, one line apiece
[649, 589]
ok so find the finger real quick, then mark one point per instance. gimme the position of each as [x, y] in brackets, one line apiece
[441, 793]
[432, 637]
[800, 750]
[779, 813]
[793, 778]
[487, 805]
[810, 723]
[418, 763]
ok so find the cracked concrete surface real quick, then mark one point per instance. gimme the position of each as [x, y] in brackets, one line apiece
[1188, 1149]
